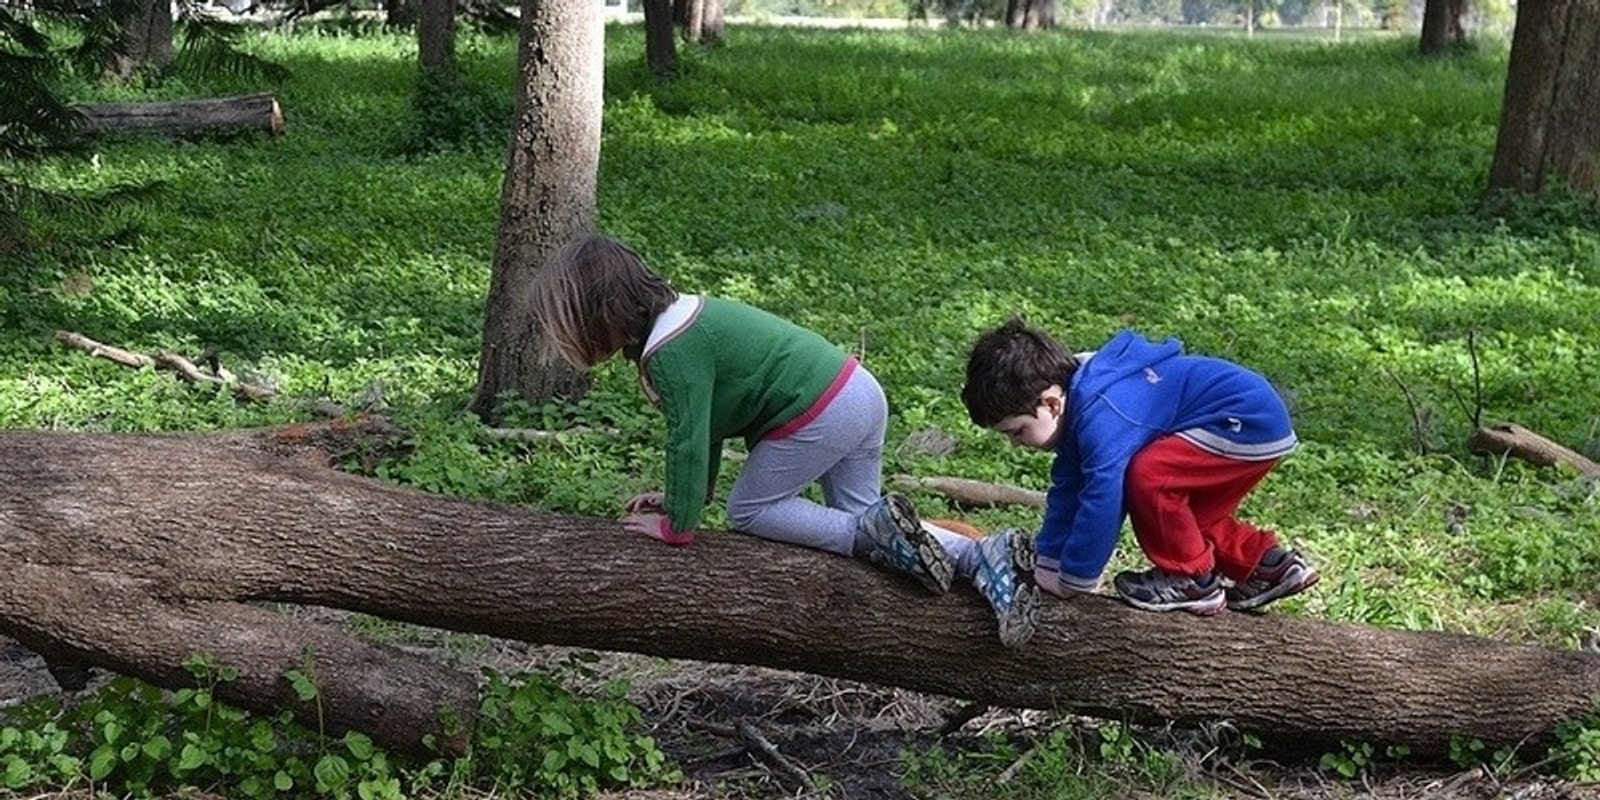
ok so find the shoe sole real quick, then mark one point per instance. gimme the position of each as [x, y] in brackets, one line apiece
[936, 571]
[1019, 624]
[1021, 621]
[1204, 607]
[1306, 579]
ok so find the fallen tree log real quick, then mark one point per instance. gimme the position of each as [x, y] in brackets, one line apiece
[135, 552]
[253, 113]
[1511, 439]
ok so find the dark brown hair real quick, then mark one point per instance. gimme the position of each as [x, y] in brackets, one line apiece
[1007, 370]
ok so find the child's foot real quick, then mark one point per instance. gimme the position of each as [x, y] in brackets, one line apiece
[1280, 574]
[890, 535]
[1005, 578]
[1154, 590]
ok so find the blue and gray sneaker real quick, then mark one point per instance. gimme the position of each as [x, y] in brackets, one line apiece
[1280, 574]
[1005, 578]
[1154, 590]
[890, 534]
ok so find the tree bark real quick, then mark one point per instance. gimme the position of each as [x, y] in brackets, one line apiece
[145, 40]
[548, 195]
[436, 40]
[713, 22]
[1549, 134]
[660, 40]
[1442, 29]
[186, 118]
[693, 20]
[134, 552]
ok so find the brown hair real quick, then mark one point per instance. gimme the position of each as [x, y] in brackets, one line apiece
[596, 296]
[1009, 368]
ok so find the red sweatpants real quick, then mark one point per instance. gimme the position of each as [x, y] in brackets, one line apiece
[1182, 500]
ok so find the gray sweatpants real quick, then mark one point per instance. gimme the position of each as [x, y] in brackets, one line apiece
[842, 451]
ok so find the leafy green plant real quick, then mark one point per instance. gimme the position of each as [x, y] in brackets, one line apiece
[536, 735]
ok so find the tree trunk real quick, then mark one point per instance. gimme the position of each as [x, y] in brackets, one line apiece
[145, 40]
[402, 13]
[713, 25]
[694, 14]
[552, 168]
[135, 552]
[1549, 132]
[186, 118]
[436, 40]
[1442, 29]
[660, 41]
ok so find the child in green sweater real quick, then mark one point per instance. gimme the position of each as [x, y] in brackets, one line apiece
[808, 412]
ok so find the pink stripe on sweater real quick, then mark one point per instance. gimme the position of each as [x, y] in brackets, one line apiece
[816, 409]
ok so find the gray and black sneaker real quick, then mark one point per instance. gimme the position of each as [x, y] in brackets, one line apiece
[890, 534]
[1280, 574]
[1005, 578]
[1154, 590]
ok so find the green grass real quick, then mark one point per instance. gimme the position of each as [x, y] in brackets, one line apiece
[1307, 208]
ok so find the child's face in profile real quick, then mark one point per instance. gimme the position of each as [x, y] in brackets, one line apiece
[1038, 430]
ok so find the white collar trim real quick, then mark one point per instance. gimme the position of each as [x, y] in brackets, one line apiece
[670, 322]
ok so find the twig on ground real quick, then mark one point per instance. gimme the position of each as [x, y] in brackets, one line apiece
[763, 749]
[1010, 772]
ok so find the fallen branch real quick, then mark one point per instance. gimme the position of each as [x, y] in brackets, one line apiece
[185, 369]
[1519, 442]
[968, 493]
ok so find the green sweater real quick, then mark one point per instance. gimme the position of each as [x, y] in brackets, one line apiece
[717, 369]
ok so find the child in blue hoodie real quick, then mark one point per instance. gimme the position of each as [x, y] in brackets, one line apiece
[1144, 431]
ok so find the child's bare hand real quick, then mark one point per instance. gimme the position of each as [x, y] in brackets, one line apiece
[647, 501]
[657, 526]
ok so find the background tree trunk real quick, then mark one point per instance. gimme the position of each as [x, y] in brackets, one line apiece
[552, 168]
[694, 14]
[136, 552]
[1549, 131]
[1442, 29]
[660, 41]
[402, 13]
[713, 26]
[436, 40]
[145, 40]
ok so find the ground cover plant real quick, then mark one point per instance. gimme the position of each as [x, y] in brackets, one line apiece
[1308, 208]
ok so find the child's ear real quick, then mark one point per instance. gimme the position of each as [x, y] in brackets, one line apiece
[1054, 400]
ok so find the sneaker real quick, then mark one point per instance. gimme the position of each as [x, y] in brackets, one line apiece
[1005, 578]
[1154, 590]
[893, 537]
[1280, 574]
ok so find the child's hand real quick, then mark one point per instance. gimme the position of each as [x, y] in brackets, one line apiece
[646, 501]
[657, 526]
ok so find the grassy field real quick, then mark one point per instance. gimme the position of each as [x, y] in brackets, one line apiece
[1308, 208]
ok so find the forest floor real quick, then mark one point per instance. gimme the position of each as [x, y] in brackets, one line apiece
[752, 733]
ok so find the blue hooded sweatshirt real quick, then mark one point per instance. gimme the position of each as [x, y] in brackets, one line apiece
[1129, 393]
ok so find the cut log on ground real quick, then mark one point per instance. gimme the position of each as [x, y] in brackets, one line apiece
[254, 113]
[968, 493]
[1514, 440]
[136, 552]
